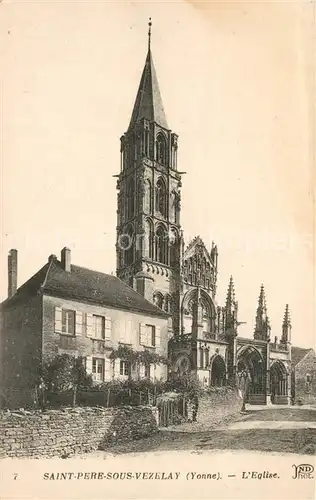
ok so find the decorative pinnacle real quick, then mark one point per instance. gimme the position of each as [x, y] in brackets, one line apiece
[149, 32]
[287, 318]
[230, 292]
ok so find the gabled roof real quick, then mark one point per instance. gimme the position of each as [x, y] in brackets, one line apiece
[191, 248]
[85, 285]
[148, 103]
[299, 353]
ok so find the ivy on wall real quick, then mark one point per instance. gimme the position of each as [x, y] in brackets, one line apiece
[126, 353]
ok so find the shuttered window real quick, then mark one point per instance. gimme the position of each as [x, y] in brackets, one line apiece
[65, 321]
[98, 327]
[149, 335]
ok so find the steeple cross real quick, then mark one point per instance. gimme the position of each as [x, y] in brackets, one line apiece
[149, 32]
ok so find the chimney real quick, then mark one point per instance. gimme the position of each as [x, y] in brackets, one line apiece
[66, 259]
[12, 272]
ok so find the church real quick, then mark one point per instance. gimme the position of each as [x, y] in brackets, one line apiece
[181, 280]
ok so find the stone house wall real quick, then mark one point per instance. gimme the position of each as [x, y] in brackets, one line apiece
[21, 350]
[122, 321]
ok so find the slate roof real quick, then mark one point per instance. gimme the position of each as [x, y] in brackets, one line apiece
[85, 285]
[148, 103]
[298, 353]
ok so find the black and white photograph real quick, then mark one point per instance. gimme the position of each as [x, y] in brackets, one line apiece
[157, 259]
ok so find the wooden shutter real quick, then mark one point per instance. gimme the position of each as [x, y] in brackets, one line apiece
[157, 336]
[89, 325]
[128, 331]
[157, 372]
[89, 364]
[122, 331]
[78, 329]
[142, 334]
[117, 368]
[107, 369]
[58, 319]
[142, 371]
[108, 328]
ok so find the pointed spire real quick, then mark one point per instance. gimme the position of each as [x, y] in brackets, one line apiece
[231, 310]
[262, 328]
[148, 103]
[286, 326]
[230, 298]
[287, 318]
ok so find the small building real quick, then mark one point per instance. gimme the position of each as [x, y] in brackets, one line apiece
[304, 374]
[69, 309]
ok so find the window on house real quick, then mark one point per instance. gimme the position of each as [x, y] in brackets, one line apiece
[98, 369]
[98, 327]
[68, 321]
[124, 367]
[151, 335]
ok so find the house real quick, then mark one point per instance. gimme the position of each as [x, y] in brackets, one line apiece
[304, 374]
[66, 308]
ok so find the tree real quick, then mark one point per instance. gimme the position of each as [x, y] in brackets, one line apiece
[63, 373]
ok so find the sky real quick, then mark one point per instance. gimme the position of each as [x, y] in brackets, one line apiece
[236, 82]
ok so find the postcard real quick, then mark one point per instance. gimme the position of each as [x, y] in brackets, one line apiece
[157, 299]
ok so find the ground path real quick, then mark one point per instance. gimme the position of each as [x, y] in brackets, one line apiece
[265, 429]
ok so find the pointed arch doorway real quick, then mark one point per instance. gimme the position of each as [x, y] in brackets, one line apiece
[217, 371]
[250, 361]
[278, 383]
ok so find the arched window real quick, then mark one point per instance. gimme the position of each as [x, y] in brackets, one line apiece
[161, 149]
[161, 198]
[148, 197]
[130, 198]
[158, 299]
[161, 245]
[167, 303]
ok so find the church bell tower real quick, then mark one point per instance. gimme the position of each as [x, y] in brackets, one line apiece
[149, 236]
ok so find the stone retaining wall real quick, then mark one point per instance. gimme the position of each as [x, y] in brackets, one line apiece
[60, 433]
[214, 407]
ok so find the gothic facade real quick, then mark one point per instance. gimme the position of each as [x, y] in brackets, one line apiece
[182, 280]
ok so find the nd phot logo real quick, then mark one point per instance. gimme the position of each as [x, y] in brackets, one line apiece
[303, 471]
